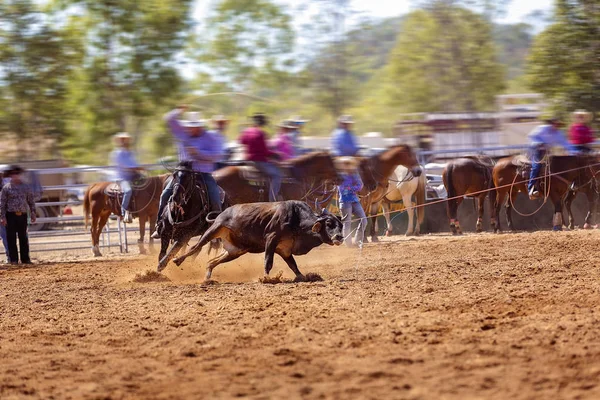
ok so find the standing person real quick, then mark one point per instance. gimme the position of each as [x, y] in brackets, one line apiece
[541, 139]
[298, 123]
[282, 143]
[349, 201]
[580, 134]
[254, 140]
[4, 181]
[16, 198]
[343, 141]
[196, 145]
[127, 170]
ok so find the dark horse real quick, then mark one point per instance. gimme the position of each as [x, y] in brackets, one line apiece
[101, 203]
[468, 176]
[311, 179]
[375, 173]
[185, 216]
[564, 169]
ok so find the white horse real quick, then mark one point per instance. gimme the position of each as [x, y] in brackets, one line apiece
[402, 187]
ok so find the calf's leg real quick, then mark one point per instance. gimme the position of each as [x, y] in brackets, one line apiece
[229, 254]
[291, 262]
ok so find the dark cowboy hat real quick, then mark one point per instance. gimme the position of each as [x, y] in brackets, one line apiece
[13, 170]
[259, 119]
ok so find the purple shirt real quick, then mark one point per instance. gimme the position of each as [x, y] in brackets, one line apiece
[283, 145]
[204, 151]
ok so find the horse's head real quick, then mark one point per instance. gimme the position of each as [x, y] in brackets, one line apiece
[402, 154]
[183, 178]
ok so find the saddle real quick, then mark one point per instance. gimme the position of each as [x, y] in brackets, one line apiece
[256, 178]
[115, 198]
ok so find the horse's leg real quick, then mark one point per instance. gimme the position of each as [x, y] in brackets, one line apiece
[453, 215]
[102, 220]
[388, 220]
[509, 202]
[590, 193]
[567, 203]
[95, 234]
[407, 201]
[557, 220]
[152, 219]
[175, 247]
[374, 210]
[500, 197]
[142, 218]
[480, 205]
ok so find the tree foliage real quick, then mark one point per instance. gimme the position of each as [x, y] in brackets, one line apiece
[565, 58]
[444, 60]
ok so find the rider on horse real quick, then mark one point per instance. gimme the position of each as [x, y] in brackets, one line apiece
[198, 145]
[127, 170]
[255, 144]
[580, 134]
[343, 141]
[541, 139]
[298, 123]
[283, 144]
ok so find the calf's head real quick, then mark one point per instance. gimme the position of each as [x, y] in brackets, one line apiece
[329, 227]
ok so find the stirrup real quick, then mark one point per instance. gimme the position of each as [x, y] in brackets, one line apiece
[534, 193]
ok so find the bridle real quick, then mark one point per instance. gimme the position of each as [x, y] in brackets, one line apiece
[188, 192]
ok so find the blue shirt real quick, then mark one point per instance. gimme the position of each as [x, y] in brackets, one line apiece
[125, 161]
[343, 143]
[204, 150]
[549, 136]
[349, 188]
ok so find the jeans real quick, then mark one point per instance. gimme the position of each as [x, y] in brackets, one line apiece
[274, 174]
[582, 149]
[4, 240]
[16, 226]
[347, 210]
[127, 194]
[536, 154]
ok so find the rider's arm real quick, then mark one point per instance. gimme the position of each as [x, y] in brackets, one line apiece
[177, 130]
[336, 145]
[358, 183]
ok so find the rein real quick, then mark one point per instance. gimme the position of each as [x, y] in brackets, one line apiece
[187, 195]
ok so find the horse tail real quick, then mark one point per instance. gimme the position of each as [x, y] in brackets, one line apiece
[420, 195]
[449, 183]
[86, 206]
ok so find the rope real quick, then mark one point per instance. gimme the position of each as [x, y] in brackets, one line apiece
[546, 158]
[482, 191]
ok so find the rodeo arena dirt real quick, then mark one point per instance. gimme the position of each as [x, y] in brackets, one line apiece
[477, 316]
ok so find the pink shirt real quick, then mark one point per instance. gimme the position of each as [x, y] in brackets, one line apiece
[283, 145]
[580, 134]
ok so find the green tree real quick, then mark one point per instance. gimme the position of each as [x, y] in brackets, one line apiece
[445, 60]
[247, 44]
[565, 58]
[129, 71]
[36, 63]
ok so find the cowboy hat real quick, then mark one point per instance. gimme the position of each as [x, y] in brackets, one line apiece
[586, 115]
[286, 124]
[296, 119]
[122, 135]
[193, 120]
[259, 119]
[219, 118]
[346, 119]
[346, 163]
[13, 170]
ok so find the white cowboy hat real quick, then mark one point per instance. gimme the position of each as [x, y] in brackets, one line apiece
[346, 119]
[286, 124]
[586, 115]
[346, 163]
[121, 136]
[296, 119]
[219, 118]
[193, 120]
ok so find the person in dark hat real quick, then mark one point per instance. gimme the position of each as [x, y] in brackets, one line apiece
[254, 140]
[16, 198]
[541, 139]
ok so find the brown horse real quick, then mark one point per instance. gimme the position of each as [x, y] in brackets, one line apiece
[101, 205]
[568, 169]
[311, 179]
[375, 173]
[469, 176]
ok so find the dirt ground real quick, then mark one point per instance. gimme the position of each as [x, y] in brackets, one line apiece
[437, 317]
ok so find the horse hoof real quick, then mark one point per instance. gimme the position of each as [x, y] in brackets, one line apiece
[388, 233]
[557, 228]
[587, 226]
[374, 239]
